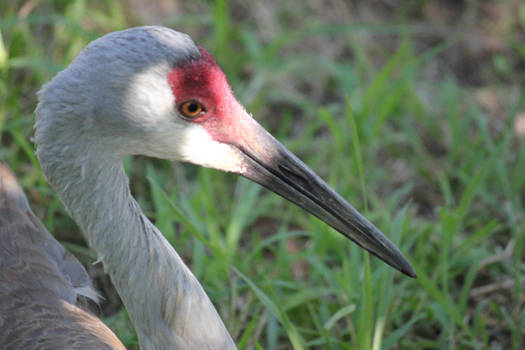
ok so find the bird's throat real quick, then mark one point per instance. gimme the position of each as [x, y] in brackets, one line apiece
[166, 303]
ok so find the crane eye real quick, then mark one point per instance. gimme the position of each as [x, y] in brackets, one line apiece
[191, 109]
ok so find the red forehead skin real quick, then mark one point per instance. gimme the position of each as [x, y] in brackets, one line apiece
[203, 80]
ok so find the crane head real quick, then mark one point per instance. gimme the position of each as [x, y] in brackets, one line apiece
[152, 91]
[234, 141]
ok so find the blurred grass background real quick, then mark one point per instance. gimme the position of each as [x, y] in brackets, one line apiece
[413, 110]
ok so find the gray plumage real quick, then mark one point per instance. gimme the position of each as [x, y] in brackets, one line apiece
[39, 284]
[135, 92]
[89, 116]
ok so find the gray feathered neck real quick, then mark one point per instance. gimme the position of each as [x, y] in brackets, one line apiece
[86, 122]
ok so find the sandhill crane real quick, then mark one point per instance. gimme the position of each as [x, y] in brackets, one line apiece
[150, 91]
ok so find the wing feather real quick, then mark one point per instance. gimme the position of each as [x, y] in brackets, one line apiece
[40, 282]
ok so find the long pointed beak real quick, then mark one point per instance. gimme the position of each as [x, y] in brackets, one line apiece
[271, 165]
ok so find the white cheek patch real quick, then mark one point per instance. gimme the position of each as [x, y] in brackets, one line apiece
[151, 106]
[198, 147]
[149, 97]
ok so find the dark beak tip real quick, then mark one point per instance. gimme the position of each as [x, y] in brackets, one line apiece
[401, 263]
[409, 271]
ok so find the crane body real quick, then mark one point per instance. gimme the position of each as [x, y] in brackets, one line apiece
[39, 283]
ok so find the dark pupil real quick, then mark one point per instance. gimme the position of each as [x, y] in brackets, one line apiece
[193, 107]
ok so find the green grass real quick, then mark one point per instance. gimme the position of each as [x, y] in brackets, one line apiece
[437, 173]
